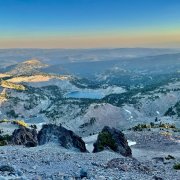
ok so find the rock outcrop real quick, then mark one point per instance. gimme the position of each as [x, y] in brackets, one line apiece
[113, 139]
[62, 136]
[25, 136]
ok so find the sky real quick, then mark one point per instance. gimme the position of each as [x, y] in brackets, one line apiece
[89, 23]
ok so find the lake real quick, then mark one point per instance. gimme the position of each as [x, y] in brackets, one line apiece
[87, 95]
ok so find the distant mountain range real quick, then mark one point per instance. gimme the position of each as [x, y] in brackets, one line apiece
[159, 64]
[62, 56]
[151, 64]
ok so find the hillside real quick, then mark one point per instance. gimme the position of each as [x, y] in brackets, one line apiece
[25, 68]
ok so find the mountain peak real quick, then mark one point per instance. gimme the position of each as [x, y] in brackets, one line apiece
[32, 62]
[27, 67]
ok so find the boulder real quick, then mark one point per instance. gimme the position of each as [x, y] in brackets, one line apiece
[62, 136]
[25, 136]
[83, 173]
[10, 172]
[113, 139]
[7, 168]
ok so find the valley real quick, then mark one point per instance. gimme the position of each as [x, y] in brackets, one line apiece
[138, 94]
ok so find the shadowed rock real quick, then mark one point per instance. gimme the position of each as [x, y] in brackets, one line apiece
[7, 168]
[111, 138]
[25, 136]
[62, 136]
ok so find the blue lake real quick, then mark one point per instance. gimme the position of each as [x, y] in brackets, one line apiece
[88, 95]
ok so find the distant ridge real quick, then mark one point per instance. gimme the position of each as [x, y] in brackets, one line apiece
[28, 67]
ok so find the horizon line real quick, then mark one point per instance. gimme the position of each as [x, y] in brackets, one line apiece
[109, 48]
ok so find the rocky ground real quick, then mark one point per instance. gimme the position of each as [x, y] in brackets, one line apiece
[150, 160]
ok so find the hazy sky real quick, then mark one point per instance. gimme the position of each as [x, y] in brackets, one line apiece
[89, 23]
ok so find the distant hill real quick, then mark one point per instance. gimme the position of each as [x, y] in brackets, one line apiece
[166, 63]
[25, 68]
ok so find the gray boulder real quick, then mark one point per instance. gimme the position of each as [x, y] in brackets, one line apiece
[7, 168]
[113, 139]
[61, 136]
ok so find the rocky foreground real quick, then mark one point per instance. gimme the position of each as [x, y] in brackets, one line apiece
[153, 157]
